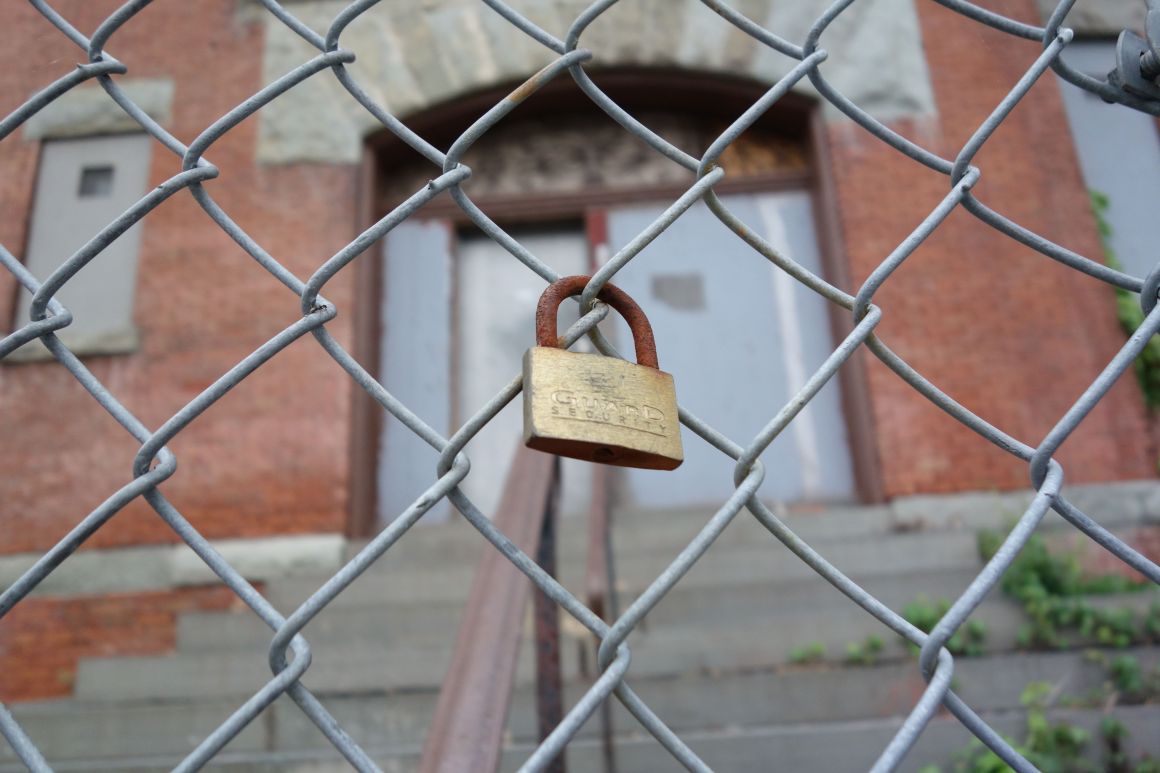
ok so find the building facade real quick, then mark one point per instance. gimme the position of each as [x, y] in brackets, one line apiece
[296, 461]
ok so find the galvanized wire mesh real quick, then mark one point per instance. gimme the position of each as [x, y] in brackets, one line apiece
[154, 463]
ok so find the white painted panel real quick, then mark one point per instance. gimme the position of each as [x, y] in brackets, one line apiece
[740, 338]
[1119, 153]
[497, 298]
[66, 214]
[414, 360]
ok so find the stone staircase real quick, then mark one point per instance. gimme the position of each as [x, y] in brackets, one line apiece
[714, 658]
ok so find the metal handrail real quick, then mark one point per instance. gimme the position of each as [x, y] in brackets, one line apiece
[600, 585]
[467, 729]
[597, 568]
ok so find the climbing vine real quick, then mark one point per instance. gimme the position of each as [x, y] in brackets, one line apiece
[1128, 310]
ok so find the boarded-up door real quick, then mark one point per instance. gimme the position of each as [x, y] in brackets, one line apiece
[740, 337]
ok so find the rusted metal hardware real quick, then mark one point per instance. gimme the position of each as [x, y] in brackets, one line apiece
[466, 732]
[600, 585]
[597, 561]
[569, 286]
[1138, 58]
[597, 408]
[549, 680]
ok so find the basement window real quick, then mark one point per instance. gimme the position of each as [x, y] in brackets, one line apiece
[82, 186]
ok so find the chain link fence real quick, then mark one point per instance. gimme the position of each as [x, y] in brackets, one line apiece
[289, 652]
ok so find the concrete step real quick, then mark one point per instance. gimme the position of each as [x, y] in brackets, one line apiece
[719, 641]
[87, 733]
[750, 698]
[834, 747]
[799, 712]
[965, 513]
[389, 625]
[751, 634]
[362, 666]
[861, 546]
[641, 529]
[638, 531]
[692, 628]
[692, 605]
[1122, 505]
[753, 560]
[651, 532]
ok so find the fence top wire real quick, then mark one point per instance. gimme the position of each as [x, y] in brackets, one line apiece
[154, 463]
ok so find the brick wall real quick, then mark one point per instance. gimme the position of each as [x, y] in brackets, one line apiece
[982, 316]
[271, 456]
[1008, 333]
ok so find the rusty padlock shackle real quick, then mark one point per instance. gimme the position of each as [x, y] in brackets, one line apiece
[568, 286]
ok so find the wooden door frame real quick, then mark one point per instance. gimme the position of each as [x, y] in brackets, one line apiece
[796, 116]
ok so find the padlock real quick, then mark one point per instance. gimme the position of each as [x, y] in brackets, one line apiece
[597, 408]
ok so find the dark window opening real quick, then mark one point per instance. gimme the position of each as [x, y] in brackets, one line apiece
[96, 181]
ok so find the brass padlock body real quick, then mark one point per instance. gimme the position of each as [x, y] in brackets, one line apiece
[596, 408]
[600, 409]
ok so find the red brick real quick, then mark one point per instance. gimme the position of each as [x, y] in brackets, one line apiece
[42, 639]
[1008, 333]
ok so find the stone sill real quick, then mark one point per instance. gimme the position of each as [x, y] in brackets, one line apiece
[126, 341]
[164, 567]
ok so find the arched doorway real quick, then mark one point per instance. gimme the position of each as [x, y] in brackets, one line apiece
[452, 310]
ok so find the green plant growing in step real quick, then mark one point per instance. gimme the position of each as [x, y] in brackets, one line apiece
[1151, 624]
[1051, 588]
[1115, 627]
[1130, 682]
[813, 652]
[865, 652]
[1127, 682]
[1037, 572]
[1128, 310]
[1115, 736]
[1053, 747]
[1127, 676]
[924, 615]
